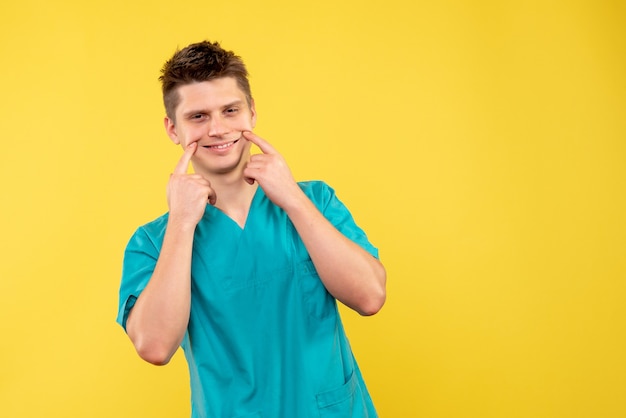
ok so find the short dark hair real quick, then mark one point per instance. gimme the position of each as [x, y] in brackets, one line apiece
[202, 61]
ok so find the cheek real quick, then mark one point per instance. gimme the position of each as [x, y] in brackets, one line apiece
[243, 125]
[246, 122]
[192, 135]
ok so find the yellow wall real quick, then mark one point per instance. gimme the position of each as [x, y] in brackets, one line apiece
[480, 143]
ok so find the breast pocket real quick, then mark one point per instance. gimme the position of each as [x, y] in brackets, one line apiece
[318, 302]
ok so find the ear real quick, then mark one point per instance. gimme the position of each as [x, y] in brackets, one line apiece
[170, 128]
[253, 113]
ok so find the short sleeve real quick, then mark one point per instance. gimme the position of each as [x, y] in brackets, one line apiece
[338, 214]
[140, 260]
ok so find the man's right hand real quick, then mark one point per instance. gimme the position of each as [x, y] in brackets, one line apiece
[157, 323]
[188, 194]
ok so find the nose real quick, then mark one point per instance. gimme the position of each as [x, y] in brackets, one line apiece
[217, 127]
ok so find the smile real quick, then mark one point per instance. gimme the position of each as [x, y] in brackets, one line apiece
[221, 146]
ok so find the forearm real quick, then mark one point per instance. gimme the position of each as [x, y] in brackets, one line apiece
[349, 273]
[158, 321]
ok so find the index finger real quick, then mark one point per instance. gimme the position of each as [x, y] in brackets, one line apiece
[183, 163]
[260, 142]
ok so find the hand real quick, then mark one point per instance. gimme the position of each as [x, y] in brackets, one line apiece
[187, 194]
[270, 170]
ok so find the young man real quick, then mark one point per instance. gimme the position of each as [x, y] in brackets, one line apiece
[245, 269]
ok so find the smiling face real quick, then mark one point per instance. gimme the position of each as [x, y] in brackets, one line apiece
[214, 114]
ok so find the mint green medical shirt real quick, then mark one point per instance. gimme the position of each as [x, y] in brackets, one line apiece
[264, 338]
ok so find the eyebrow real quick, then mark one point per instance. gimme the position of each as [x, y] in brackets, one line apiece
[237, 102]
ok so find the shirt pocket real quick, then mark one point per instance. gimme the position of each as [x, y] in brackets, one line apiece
[317, 301]
[338, 402]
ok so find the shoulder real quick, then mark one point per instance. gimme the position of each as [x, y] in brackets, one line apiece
[317, 190]
[151, 233]
[156, 225]
[323, 197]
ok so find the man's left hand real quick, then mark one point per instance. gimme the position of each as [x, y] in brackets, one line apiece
[272, 173]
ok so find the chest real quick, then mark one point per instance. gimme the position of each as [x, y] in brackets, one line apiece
[227, 257]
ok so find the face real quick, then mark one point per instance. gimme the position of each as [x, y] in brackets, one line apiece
[214, 114]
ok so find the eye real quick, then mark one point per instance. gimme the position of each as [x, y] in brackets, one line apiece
[231, 110]
[197, 116]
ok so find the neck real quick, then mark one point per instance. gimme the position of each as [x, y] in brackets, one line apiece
[234, 196]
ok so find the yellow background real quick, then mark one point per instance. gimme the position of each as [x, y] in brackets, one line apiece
[480, 143]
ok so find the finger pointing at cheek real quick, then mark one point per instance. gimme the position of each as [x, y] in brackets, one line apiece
[263, 145]
[183, 163]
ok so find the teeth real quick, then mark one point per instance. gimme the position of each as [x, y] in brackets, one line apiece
[222, 146]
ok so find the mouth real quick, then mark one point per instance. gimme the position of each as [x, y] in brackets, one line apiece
[222, 146]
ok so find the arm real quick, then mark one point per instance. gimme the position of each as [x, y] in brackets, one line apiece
[348, 272]
[158, 321]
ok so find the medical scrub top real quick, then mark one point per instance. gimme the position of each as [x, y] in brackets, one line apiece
[265, 338]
